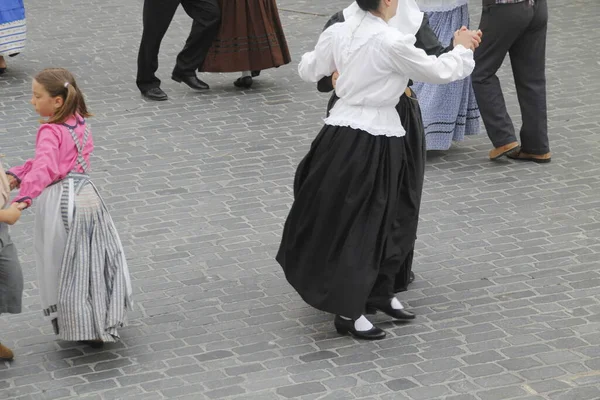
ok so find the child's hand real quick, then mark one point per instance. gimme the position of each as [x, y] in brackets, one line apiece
[14, 183]
[334, 78]
[22, 206]
[13, 213]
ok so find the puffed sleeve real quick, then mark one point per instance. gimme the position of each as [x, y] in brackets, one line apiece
[410, 61]
[21, 171]
[319, 62]
[325, 84]
[44, 166]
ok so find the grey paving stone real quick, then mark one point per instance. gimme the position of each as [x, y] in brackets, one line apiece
[535, 374]
[422, 393]
[369, 390]
[400, 384]
[549, 386]
[319, 355]
[499, 380]
[94, 387]
[199, 187]
[586, 393]
[340, 382]
[225, 392]
[483, 357]
[482, 370]
[509, 392]
[301, 389]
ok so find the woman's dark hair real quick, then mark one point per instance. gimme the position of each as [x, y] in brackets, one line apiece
[368, 5]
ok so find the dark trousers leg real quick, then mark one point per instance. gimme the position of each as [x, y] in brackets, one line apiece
[501, 25]
[528, 60]
[207, 18]
[157, 17]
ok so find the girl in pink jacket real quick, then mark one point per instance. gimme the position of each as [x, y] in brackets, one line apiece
[83, 276]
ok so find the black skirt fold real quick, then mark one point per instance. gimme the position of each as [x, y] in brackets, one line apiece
[416, 153]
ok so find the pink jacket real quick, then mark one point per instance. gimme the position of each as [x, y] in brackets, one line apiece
[55, 157]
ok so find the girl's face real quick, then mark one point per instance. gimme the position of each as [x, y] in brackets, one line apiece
[44, 103]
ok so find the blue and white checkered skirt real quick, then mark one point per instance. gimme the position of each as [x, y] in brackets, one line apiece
[449, 111]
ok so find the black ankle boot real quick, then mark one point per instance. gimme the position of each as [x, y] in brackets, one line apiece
[345, 326]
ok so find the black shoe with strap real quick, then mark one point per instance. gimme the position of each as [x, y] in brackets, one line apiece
[386, 307]
[346, 326]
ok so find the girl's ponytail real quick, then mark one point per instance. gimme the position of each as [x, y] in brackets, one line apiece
[60, 82]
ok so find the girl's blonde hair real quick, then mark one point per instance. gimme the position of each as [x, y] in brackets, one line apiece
[60, 82]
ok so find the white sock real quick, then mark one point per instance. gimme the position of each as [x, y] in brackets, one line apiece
[246, 73]
[396, 305]
[363, 324]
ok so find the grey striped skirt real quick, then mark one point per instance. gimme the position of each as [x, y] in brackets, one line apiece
[84, 279]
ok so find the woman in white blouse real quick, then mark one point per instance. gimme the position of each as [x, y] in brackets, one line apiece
[335, 245]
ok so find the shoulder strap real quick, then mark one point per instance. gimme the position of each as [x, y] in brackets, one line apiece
[80, 146]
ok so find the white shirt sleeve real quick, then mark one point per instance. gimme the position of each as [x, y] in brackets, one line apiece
[319, 62]
[405, 58]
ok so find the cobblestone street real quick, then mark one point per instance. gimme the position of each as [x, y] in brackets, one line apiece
[507, 289]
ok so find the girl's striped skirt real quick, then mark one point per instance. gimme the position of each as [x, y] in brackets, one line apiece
[82, 272]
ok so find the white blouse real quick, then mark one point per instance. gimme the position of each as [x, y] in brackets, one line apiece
[375, 62]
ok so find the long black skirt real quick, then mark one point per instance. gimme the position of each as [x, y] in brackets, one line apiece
[410, 114]
[344, 229]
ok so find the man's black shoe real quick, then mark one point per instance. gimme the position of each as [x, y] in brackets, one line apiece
[155, 94]
[192, 81]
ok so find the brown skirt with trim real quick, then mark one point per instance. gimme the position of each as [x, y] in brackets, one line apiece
[250, 38]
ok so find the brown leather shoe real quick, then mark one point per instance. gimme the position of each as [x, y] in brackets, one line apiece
[5, 353]
[537, 158]
[502, 150]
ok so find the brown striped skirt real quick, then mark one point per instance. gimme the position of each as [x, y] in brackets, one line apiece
[250, 38]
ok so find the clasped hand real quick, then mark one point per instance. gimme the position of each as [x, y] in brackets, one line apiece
[467, 38]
